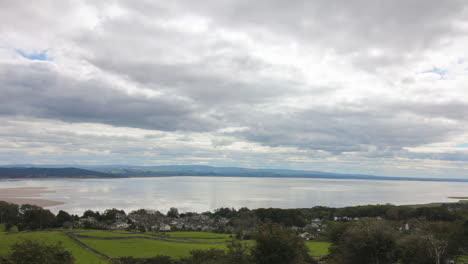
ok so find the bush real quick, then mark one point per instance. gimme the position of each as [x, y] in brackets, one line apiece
[368, 241]
[279, 245]
[32, 252]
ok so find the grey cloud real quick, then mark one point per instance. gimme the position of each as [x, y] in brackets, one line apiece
[38, 90]
[398, 28]
[209, 82]
[377, 125]
[217, 71]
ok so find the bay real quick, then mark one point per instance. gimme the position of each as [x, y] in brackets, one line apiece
[201, 194]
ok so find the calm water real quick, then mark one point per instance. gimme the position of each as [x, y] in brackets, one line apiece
[207, 193]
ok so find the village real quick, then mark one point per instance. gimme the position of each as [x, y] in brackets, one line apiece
[153, 221]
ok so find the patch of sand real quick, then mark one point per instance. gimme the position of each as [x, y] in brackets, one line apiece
[27, 195]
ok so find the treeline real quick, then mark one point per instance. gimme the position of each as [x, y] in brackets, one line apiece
[382, 241]
[22, 173]
[300, 217]
[31, 217]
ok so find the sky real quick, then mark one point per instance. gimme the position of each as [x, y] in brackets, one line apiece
[371, 87]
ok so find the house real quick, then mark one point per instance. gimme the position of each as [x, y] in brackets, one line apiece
[306, 236]
[164, 227]
[119, 224]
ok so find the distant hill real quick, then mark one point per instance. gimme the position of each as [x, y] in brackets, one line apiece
[127, 171]
[18, 173]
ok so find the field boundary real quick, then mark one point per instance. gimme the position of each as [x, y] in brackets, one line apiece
[86, 246]
[147, 237]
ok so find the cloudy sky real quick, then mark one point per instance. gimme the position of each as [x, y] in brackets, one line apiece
[374, 87]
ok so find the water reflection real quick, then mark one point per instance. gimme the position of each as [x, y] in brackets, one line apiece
[207, 193]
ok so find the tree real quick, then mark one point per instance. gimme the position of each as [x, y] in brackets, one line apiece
[9, 213]
[34, 217]
[412, 249]
[111, 214]
[173, 212]
[369, 241]
[5, 260]
[154, 260]
[29, 252]
[63, 217]
[207, 256]
[336, 230]
[436, 238]
[278, 245]
[238, 253]
[89, 213]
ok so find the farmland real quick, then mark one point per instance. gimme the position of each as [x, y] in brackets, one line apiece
[97, 246]
[81, 254]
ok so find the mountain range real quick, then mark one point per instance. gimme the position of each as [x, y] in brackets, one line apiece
[19, 171]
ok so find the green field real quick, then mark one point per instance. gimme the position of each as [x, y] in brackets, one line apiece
[178, 244]
[198, 235]
[462, 260]
[144, 248]
[98, 233]
[318, 248]
[81, 254]
[178, 236]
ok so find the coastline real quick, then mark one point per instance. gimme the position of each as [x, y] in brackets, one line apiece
[353, 177]
[44, 179]
[27, 195]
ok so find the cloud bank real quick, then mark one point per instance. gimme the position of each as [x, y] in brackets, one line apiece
[363, 87]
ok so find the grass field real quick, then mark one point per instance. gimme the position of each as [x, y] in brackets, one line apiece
[144, 248]
[179, 236]
[318, 248]
[198, 235]
[179, 244]
[81, 254]
[99, 233]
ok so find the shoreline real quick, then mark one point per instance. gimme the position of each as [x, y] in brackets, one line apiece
[373, 178]
[46, 179]
[38, 202]
[27, 195]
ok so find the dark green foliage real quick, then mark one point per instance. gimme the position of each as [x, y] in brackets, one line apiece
[336, 230]
[173, 212]
[286, 217]
[364, 211]
[9, 213]
[90, 213]
[440, 213]
[369, 241]
[142, 229]
[278, 245]
[5, 260]
[413, 249]
[111, 214]
[238, 253]
[63, 217]
[153, 260]
[207, 256]
[33, 217]
[31, 252]
[398, 213]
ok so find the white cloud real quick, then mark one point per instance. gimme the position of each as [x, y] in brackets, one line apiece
[333, 86]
